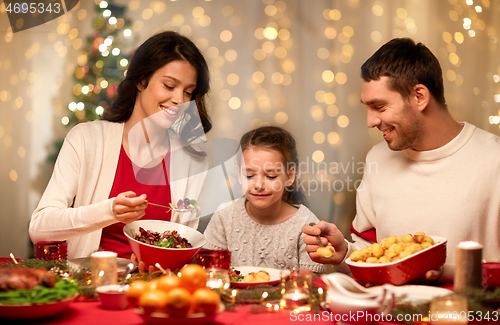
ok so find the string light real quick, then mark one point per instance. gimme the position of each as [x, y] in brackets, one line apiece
[275, 57]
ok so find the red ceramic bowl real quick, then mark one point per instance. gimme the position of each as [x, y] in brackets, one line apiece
[405, 269]
[168, 258]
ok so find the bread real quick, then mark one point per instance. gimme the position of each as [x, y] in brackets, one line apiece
[261, 276]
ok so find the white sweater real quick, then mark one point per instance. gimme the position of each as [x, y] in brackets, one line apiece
[452, 192]
[75, 205]
[251, 243]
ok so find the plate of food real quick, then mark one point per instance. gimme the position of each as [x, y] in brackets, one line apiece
[29, 293]
[250, 276]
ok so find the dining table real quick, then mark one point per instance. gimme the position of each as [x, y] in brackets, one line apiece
[89, 311]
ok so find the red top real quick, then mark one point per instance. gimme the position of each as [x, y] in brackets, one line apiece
[113, 238]
[370, 234]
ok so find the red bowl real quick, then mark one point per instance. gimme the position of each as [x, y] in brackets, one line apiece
[404, 270]
[168, 258]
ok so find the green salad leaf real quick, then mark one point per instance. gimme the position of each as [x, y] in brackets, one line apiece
[63, 289]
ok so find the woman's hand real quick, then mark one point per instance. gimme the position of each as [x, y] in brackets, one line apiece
[128, 208]
[332, 235]
[141, 265]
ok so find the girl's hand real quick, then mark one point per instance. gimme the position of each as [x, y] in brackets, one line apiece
[128, 208]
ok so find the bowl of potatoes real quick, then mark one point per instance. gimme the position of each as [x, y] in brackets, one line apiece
[398, 259]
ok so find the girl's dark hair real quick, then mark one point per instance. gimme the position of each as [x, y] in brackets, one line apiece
[276, 138]
[407, 64]
[152, 55]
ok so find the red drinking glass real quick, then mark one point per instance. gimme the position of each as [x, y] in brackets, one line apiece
[214, 259]
[51, 250]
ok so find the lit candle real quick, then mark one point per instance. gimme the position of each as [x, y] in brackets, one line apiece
[233, 295]
[449, 310]
[296, 300]
[103, 268]
[217, 278]
[468, 265]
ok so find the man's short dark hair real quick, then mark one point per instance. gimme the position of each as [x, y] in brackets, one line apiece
[407, 64]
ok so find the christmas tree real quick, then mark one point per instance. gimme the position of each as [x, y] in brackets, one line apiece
[101, 66]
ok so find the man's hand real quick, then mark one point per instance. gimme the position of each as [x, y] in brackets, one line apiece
[128, 208]
[330, 234]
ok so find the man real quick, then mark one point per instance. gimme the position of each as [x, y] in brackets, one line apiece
[433, 174]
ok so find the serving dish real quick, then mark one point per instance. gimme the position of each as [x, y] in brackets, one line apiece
[404, 270]
[168, 258]
[190, 319]
[36, 311]
[244, 270]
[408, 294]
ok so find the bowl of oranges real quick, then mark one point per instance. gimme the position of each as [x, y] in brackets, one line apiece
[398, 259]
[169, 244]
[182, 298]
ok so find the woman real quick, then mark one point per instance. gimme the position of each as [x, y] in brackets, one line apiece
[96, 187]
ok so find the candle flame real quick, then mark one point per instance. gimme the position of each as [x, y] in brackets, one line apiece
[161, 269]
[13, 258]
[469, 245]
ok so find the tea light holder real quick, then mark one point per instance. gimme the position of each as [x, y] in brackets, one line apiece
[218, 279]
[214, 259]
[295, 289]
[491, 275]
[451, 309]
[216, 264]
[468, 265]
[103, 268]
[51, 250]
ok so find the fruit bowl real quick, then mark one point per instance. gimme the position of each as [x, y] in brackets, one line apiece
[404, 270]
[189, 319]
[168, 258]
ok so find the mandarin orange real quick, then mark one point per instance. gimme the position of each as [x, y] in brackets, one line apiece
[193, 277]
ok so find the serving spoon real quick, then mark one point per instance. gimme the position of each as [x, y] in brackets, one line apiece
[129, 268]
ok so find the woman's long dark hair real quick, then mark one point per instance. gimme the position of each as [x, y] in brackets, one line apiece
[276, 138]
[152, 55]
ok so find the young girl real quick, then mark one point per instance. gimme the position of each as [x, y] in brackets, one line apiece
[264, 228]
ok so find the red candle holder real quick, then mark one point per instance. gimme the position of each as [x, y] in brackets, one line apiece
[491, 274]
[51, 250]
[214, 259]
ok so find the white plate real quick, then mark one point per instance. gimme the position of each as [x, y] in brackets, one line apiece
[244, 270]
[413, 293]
[76, 263]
